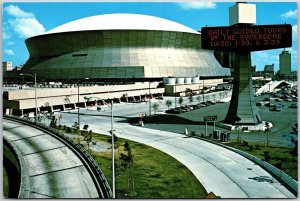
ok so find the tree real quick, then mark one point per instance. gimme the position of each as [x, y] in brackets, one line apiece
[199, 99]
[53, 122]
[221, 95]
[155, 107]
[180, 101]
[88, 137]
[126, 159]
[214, 95]
[225, 93]
[267, 131]
[191, 98]
[237, 120]
[188, 91]
[85, 127]
[169, 103]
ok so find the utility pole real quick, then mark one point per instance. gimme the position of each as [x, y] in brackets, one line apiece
[113, 150]
[35, 94]
[149, 100]
[175, 95]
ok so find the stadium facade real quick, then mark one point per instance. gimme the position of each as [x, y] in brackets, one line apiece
[127, 57]
[118, 46]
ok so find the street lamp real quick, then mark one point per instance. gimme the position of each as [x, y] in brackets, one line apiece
[35, 98]
[149, 100]
[175, 94]
[269, 96]
[112, 144]
[78, 119]
[113, 147]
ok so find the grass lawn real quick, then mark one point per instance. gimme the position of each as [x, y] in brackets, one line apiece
[153, 174]
[280, 157]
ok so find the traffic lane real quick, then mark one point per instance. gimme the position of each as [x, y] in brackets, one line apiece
[19, 131]
[208, 162]
[241, 177]
[51, 170]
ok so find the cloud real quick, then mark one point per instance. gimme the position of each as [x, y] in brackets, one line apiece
[295, 33]
[15, 11]
[5, 35]
[9, 43]
[9, 52]
[197, 5]
[292, 14]
[26, 27]
[23, 23]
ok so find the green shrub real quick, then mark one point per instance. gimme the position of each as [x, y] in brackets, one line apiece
[69, 130]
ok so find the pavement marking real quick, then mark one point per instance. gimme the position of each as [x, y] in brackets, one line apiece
[56, 170]
[43, 150]
[24, 138]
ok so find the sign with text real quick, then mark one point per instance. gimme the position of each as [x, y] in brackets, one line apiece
[246, 38]
[210, 118]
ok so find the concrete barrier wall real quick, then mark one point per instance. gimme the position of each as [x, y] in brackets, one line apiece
[21, 165]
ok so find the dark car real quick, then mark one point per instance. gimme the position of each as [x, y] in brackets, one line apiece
[173, 111]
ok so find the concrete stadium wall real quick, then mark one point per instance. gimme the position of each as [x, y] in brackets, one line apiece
[25, 99]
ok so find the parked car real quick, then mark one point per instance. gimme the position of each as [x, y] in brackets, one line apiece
[294, 105]
[173, 111]
[259, 104]
[276, 108]
[196, 107]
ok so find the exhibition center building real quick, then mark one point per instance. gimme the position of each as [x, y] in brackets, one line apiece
[123, 55]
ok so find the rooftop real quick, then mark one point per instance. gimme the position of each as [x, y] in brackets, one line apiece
[121, 21]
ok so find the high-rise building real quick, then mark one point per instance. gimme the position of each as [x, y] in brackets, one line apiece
[269, 68]
[285, 63]
[7, 66]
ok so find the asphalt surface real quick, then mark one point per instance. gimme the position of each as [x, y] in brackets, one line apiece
[221, 171]
[54, 171]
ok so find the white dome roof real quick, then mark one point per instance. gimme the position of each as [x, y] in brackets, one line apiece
[121, 21]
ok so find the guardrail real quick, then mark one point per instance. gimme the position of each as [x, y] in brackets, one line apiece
[287, 180]
[23, 166]
[96, 173]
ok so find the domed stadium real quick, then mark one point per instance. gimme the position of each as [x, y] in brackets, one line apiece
[120, 46]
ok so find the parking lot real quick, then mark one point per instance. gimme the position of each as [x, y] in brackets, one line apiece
[192, 120]
[282, 120]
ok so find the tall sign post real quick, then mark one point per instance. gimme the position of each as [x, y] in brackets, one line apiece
[242, 39]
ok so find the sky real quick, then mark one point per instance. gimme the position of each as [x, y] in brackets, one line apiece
[21, 20]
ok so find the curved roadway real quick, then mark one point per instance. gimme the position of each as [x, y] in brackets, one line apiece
[221, 171]
[54, 170]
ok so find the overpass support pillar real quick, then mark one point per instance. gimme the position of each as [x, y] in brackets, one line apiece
[242, 102]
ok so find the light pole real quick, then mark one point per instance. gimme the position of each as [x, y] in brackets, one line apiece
[149, 100]
[113, 147]
[203, 90]
[175, 95]
[78, 118]
[35, 98]
[269, 96]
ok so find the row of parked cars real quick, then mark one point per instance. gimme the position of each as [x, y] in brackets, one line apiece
[187, 108]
